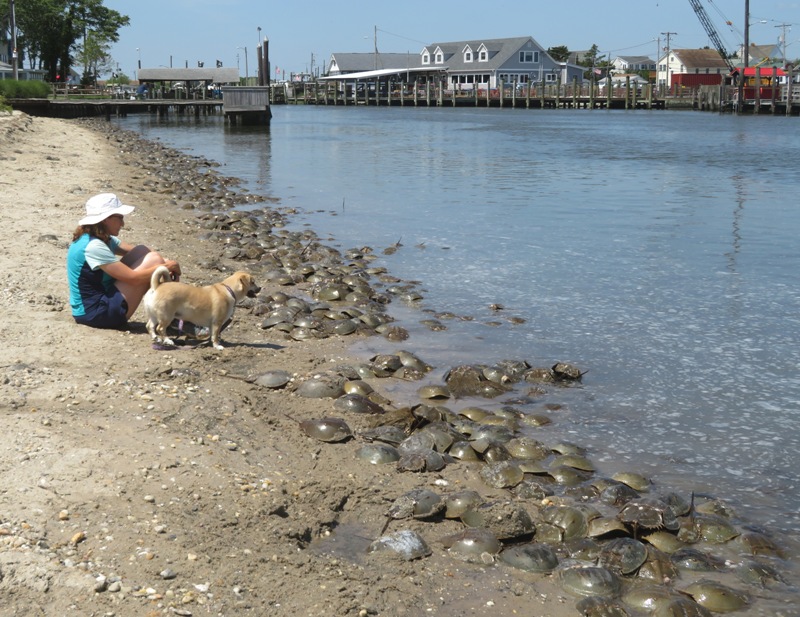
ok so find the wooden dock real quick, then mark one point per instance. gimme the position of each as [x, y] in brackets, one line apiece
[246, 104]
[80, 108]
[435, 95]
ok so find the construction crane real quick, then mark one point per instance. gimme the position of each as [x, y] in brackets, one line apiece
[712, 34]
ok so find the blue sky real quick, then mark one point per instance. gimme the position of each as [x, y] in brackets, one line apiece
[209, 30]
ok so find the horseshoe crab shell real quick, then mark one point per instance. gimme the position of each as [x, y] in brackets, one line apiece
[505, 519]
[357, 403]
[273, 379]
[504, 474]
[594, 606]
[417, 503]
[476, 544]
[421, 460]
[532, 557]
[378, 453]
[458, 503]
[650, 513]
[407, 544]
[433, 391]
[717, 597]
[623, 555]
[321, 386]
[590, 581]
[327, 429]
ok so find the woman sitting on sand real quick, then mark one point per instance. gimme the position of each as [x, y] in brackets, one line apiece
[108, 277]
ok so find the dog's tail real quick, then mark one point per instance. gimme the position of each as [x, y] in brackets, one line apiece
[160, 275]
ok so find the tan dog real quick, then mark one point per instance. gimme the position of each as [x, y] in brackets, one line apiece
[210, 306]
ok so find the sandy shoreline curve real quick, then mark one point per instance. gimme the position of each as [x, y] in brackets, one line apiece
[145, 482]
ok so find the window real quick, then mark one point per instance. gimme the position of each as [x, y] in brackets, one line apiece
[426, 58]
[529, 56]
[439, 58]
[467, 56]
[483, 54]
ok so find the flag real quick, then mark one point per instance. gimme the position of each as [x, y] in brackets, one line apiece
[598, 72]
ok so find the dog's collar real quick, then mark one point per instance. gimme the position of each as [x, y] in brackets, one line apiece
[230, 291]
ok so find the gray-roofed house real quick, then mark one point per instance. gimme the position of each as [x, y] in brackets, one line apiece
[633, 64]
[343, 63]
[484, 63]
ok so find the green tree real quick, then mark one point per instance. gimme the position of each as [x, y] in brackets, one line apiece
[559, 53]
[53, 28]
[95, 57]
[595, 62]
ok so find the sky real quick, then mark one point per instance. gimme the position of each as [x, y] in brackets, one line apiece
[303, 35]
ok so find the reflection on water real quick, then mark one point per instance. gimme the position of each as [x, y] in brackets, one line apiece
[639, 245]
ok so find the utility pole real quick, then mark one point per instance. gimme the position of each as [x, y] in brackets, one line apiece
[783, 40]
[14, 55]
[740, 93]
[375, 40]
[668, 35]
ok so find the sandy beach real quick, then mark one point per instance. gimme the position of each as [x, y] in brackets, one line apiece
[137, 481]
[144, 482]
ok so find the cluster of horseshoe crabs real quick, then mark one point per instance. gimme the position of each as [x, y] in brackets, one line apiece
[619, 545]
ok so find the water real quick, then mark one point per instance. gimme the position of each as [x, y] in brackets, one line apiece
[656, 249]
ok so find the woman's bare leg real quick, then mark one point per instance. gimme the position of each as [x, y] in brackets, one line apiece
[140, 257]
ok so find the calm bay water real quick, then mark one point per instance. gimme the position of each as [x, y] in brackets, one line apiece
[658, 250]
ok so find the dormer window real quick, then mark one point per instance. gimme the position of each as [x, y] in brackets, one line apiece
[467, 54]
[426, 58]
[483, 54]
[440, 58]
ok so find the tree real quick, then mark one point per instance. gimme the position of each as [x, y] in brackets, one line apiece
[52, 29]
[94, 56]
[598, 64]
[559, 53]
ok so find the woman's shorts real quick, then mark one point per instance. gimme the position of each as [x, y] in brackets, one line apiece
[109, 312]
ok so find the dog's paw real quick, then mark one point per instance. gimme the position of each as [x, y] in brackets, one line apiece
[167, 341]
[218, 346]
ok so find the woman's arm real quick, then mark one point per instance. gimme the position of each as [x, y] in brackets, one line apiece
[121, 272]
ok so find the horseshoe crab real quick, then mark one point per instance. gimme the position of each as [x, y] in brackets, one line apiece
[503, 474]
[357, 403]
[378, 453]
[680, 607]
[623, 555]
[435, 392]
[505, 519]
[566, 372]
[534, 557]
[463, 451]
[458, 503]
[273, 379]
[476, 544]
[570, 520]
[421, 460]
[693, 559]
[650, 513]
[590, 581]
[407, 544]
[417, 503]
[387, 433]
[600, 607]
[321, 386]
[717, 597]
[327, 429]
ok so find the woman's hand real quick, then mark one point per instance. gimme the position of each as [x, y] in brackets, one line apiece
[174, 269]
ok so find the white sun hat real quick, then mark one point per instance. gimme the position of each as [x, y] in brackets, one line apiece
[101, 206]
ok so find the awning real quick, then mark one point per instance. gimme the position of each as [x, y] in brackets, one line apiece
[382, 73]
